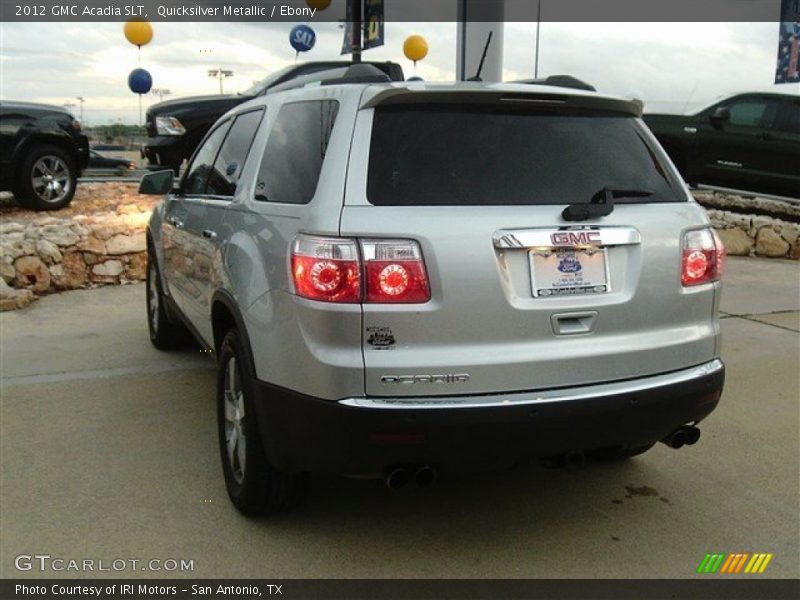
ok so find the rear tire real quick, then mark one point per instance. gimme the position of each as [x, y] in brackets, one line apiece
[254, 486]
[164, 333]
[47, 179]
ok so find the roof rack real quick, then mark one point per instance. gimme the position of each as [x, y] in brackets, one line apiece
[565, 81]
[355, 73]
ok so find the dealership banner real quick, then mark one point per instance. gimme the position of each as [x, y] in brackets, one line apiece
[788, 68]
[372, 25]
[394, 10]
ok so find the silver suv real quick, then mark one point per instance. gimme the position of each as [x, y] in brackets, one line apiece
[400, 279]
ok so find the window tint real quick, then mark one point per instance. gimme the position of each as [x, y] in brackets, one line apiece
[448, 155]
[295, 150]
[197, 174]
[754, 113]
[230, 160]
[791, 119]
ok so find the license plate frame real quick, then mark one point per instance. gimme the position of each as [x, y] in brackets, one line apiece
[562, 271]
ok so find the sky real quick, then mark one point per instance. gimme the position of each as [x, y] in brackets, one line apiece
[673, 67]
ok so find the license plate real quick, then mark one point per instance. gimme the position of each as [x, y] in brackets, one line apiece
[568, 271]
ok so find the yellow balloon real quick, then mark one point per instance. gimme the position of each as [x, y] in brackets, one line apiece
[415, 47]
[138, 33]
[319, 4]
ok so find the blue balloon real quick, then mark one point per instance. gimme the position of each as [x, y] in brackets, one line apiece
[140, 81]
[302, 38]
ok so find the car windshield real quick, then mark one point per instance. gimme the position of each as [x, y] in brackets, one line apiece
[453, 155]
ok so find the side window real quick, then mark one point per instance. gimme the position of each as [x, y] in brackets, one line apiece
[295, 150]
[754, 112]
[230, 160]
[197, 173]
[791, 117]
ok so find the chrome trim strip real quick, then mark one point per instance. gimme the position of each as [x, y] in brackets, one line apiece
[542, 238]
[535, 397]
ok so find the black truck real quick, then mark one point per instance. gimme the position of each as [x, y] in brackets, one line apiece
[747, 142]
[176, 127]
[42, 154]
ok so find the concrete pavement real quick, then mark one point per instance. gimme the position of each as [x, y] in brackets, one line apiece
[108, 451]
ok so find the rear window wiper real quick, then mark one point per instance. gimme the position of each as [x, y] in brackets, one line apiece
[601, 204]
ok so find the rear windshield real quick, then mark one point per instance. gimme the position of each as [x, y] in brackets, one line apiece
[445, 155]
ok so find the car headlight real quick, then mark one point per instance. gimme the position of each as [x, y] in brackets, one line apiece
[169, 126]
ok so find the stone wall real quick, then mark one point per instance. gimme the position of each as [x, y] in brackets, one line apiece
[754, 226]
[42, 253]
[100, 239]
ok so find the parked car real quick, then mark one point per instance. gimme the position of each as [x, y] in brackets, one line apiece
[175, 127]
[42, 154]
[98, 161]
[748, 142]
[404, 279]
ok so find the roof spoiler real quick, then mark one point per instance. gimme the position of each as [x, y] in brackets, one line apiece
[408, 96]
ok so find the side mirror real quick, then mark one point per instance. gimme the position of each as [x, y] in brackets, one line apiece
[157, 183]
[720, 115]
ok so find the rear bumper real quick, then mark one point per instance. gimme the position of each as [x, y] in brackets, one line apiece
[365, 436]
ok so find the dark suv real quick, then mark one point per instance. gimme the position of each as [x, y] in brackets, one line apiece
[747, 142]
[42, 154]
[176, 127]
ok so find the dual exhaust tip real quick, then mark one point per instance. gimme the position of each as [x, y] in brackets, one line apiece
[399, 477]
[683, 436]
[425, 476]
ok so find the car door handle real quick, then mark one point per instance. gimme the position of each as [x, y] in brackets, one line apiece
[175, 222]
[209, 234]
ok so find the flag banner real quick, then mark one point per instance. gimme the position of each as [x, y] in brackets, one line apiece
[373, 23]
[788, 67]
[371, 26]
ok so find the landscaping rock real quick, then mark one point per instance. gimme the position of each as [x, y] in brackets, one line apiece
[48, 252]
[11, 299]
[109, 268]
[770, 243]
[31, 271]
[74, 275]
[736, 241]
[126, 244]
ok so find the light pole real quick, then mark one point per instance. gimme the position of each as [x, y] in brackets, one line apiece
[160, 92]
[81, 99]
[220, 74]
[538, 26]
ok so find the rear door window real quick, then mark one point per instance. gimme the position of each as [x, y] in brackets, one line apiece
[452, 155]
[197, 174]
[295, 150]
[790, 120]
[230, 160]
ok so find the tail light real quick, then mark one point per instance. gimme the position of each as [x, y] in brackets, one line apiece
[703, 257]
[394, 272]
[331, 270]
[326, 269]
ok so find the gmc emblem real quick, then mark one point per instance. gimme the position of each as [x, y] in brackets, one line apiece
[575, 238]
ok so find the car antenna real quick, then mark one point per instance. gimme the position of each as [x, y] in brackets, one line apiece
[483, 58]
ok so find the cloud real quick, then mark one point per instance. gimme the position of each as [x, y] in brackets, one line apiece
[669, 65]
